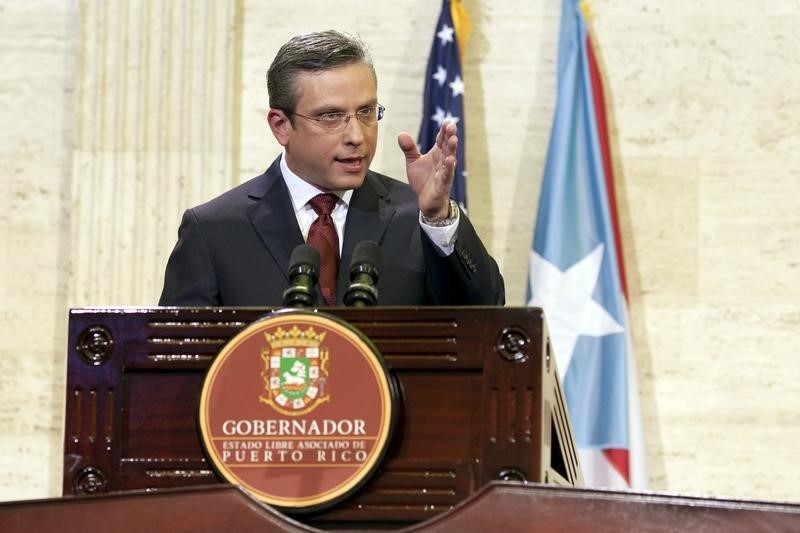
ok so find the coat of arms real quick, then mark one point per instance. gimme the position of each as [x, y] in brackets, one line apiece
[295, 370]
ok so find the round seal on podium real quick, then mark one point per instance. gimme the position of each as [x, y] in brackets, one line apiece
[298, 409]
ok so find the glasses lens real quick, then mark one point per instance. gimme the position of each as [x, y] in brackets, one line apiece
[366, 115]
[339, 124]
[332, 121]
[338, 121]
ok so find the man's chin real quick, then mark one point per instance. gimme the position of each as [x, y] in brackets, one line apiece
[349, 181]
[340, 182]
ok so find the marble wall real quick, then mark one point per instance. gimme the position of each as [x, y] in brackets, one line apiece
[118, 115]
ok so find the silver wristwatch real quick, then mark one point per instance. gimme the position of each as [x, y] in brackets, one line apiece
[444, 221]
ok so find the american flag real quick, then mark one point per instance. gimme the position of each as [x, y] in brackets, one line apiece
[444, 88]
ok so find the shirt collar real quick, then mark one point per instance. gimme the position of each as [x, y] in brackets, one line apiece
[302, 191]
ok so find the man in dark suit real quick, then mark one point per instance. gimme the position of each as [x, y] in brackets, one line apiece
[235, 249]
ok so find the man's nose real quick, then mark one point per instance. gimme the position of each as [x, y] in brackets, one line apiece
[353, 131]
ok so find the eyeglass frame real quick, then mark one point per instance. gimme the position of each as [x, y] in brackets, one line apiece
[380, 110]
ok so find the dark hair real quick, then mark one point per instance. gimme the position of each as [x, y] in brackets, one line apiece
[309, 53]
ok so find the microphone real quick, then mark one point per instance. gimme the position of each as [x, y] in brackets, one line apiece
[365, 269]
[303, 273]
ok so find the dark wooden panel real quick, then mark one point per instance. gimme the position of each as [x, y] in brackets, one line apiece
[161, 414]
[441, 412]
[477, 401]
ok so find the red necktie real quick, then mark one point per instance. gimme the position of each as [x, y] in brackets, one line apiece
[322, 236]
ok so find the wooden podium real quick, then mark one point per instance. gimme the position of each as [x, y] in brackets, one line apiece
[481, 401]
[509, 507]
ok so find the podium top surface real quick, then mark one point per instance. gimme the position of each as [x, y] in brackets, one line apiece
[499, 506]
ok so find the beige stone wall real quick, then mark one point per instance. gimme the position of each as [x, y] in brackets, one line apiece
[156, 131]
[37, 53]
[118, 115]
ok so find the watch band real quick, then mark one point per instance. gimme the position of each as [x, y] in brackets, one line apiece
[454, 213]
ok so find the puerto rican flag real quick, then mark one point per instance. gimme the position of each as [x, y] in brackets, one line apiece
[577, 273]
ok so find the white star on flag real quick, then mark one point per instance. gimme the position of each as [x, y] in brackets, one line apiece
[441, 75]
[439, 116]
[449, 116]
[457, 85]
[566, 298]
[445, 35]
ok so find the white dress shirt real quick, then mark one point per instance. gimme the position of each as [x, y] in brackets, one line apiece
[300, 191]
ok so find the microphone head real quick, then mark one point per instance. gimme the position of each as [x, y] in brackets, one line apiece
[304, 260]
[367, 258]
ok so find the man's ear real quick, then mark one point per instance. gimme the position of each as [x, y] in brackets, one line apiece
[280, 125]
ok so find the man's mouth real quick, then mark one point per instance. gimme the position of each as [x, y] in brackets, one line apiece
[354, 163]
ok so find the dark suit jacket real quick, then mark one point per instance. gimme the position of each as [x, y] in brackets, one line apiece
[234, 250]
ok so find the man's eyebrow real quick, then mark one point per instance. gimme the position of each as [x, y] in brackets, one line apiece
[330, 108]
[325, 109]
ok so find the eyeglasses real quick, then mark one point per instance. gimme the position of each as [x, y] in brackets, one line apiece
[368, 116]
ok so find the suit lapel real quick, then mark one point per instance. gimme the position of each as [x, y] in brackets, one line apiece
[368, 216]
[274, 221]
[273, 218]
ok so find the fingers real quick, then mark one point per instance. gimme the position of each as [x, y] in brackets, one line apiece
[449, 172]
[447, 138]
[408, 146]
[450, 163]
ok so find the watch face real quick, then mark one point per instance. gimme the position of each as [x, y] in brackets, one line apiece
[454, 212]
